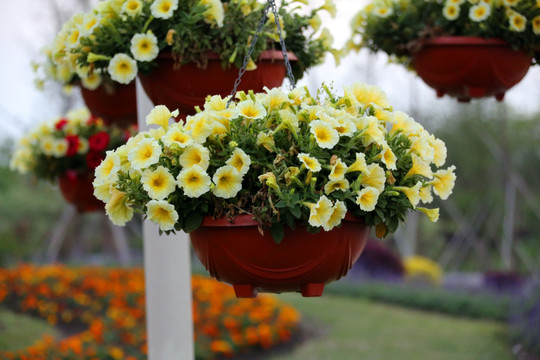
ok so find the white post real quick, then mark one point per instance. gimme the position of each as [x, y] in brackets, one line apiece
[167, 270]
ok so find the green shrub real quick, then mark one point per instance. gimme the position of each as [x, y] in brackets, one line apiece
[472, 305]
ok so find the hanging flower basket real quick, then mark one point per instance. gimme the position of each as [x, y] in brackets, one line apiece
[114, 103]
[77, 189]
[470, 67]
[236, 253]
[188, 86]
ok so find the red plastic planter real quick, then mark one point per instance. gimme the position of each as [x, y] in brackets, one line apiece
[188, 86]
[236, 253]
[77, 189]
[470, 67]
[115, 105]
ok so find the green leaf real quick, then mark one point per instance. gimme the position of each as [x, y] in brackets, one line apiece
[281, 204]
[296, 212]
[277, 232]
[193, 221]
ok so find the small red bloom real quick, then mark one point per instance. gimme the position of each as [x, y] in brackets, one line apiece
[93, 159]
[60, 124]
[92, 120]
[73, 144]
[99, 141]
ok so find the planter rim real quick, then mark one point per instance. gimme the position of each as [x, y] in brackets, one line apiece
[265, 55]
[247, 221]
[465, 41]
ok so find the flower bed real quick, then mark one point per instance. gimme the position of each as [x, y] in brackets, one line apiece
[111, 303]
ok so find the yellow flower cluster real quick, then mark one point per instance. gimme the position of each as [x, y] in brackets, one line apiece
[91, 47]
[317, 158]
[516, 21]
[419, 268]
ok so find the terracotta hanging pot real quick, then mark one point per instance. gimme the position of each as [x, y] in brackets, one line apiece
[188, 86]
[114, 103]
[236, 253]
[77, 189]
[470, 67]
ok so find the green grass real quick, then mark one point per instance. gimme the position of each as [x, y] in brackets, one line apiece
[360, 329]
[18, 331]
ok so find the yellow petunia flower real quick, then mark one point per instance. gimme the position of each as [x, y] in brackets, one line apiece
[228, 182]
[118, 209]
[536, 24]
[216, 103]
[160, 115]
[443, 182]
[266, 140]
[122, 68]
[102, 190]
[405, 124]
[388, 158]
[251, 110]
[451, 11]
[311, 163]
[158, 183]
[91, 81]
[144, 154]
[479, 12]
[374, 176]
[320, 212]
[364, 94]
[517, 22]
[338, 170]
[425, 194]
[240, 161]
[275, 99]
[90, 22]
[413, 194]
[382, 11]
[176, 135]
[162, 213]
[432, 214]
[47, 145]
[439, 151]
[199, 128]
[108, 168]
[325, 135]
[214, 13]
[372, 131]
[132, 7]
[338, 213]
[194, 181]
[367, 198]
[144, 47]
[59, 148]
[419, 167]
[359, 165]
[195, 154]
[334, 185]
[163, 9]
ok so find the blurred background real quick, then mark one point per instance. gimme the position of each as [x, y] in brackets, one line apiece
[466, 287]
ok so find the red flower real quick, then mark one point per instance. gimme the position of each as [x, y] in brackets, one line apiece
[92, 120]
[93, 159]
[73, 144]
[99, 141]
[60, 124]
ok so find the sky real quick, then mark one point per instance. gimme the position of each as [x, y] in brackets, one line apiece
[26, 26]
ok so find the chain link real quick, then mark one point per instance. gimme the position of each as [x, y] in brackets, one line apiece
[270, 3]
[283, 47]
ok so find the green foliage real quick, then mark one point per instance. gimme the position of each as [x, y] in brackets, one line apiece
[193, 32]
[455, 303]
[399, 27]
[525, 319]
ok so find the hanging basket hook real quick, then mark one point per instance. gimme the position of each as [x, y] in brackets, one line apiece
[269, 4]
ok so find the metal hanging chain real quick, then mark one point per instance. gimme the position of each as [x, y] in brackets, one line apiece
[251, 48]
[283, 47]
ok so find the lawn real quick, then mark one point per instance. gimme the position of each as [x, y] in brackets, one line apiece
[344, 328]
[18, 331]
[360, 329]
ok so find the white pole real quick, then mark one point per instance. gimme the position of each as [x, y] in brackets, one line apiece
[167, 269]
